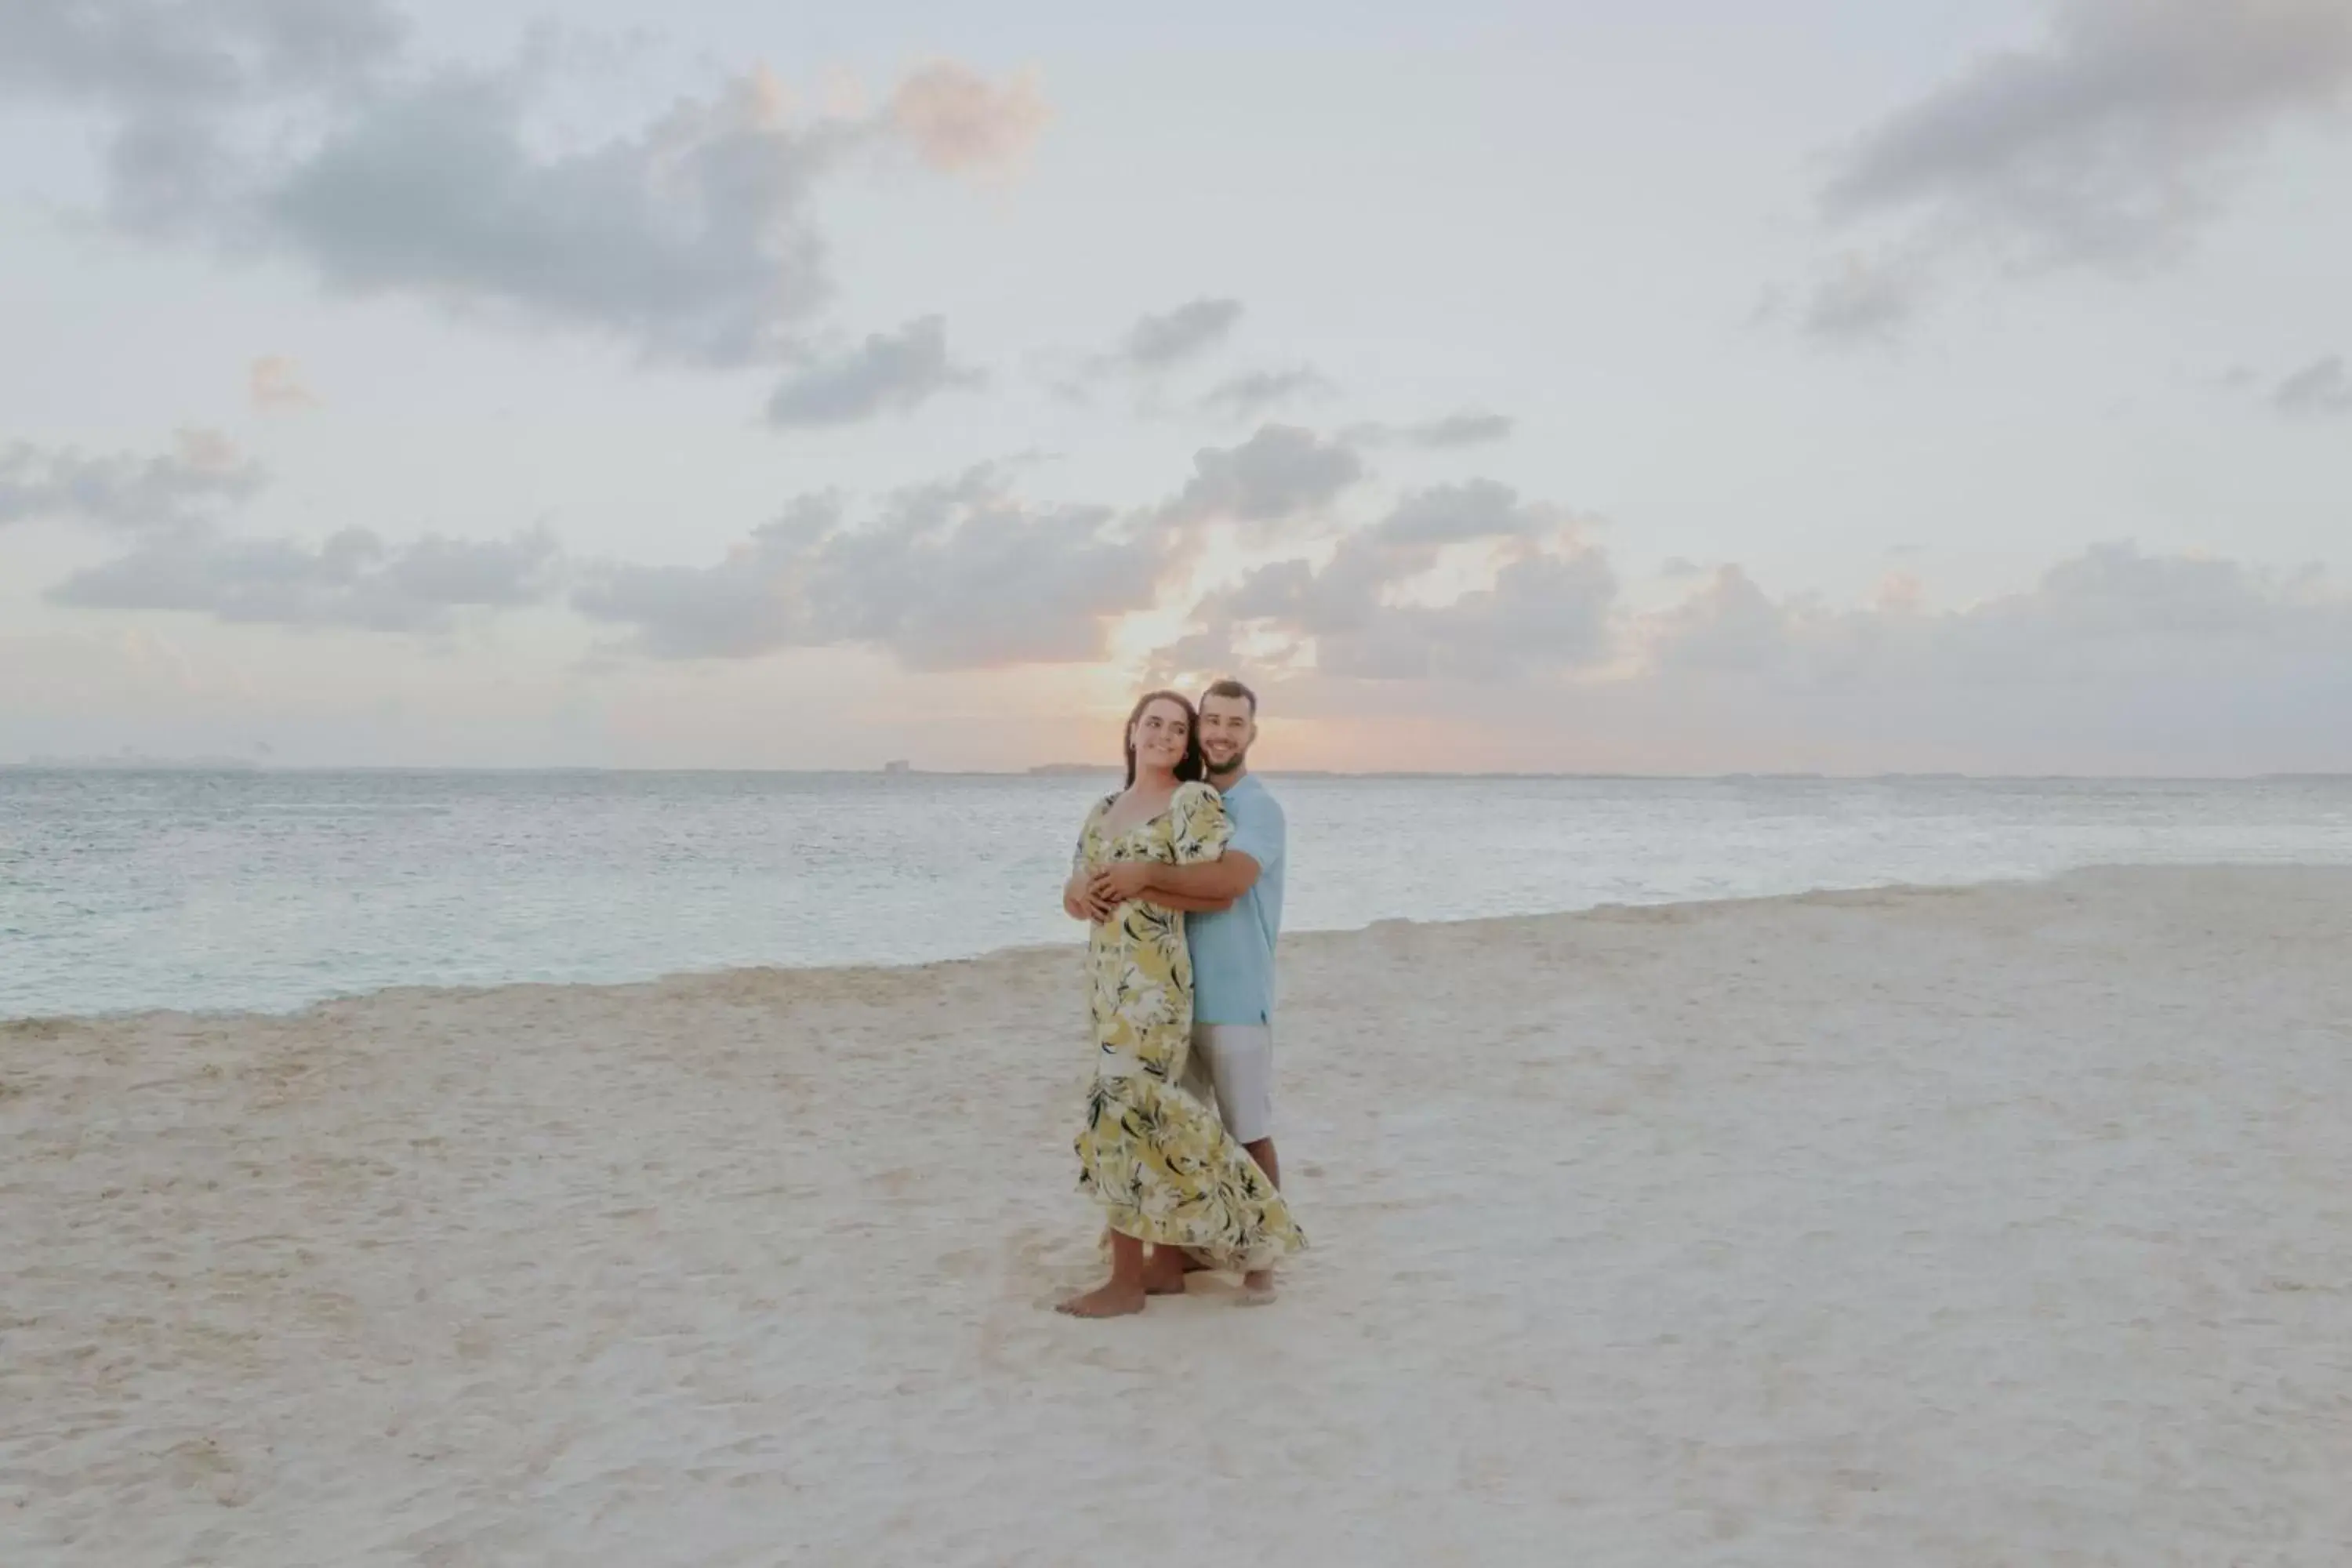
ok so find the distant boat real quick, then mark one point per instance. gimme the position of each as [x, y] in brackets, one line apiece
[898, 767]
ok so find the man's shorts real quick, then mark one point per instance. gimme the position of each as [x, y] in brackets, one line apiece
[1238, 1061]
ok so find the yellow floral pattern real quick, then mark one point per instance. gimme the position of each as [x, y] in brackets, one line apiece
[1156, 1157]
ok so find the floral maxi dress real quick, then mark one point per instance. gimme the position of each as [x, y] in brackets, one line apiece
[1157, 1158]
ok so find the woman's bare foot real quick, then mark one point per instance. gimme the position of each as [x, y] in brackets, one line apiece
[1164, 1271]
[1123, 1294]
[1112, 1300]
[1257, 1287]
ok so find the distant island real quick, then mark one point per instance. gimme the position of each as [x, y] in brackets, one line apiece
[136, 762]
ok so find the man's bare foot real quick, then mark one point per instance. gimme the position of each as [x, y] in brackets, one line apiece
[1257, 1287]
[1111, 1300]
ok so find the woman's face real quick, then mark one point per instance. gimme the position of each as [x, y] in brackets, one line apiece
[1159, 736]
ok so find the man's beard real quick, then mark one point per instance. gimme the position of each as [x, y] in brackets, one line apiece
[1232, 764]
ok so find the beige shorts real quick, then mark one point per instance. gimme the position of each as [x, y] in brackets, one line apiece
[1233, 1063]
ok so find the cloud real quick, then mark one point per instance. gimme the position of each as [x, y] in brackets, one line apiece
[885, 374]
[1154, 345]
[2104, 142]
[2111, 617]
[1251, 393]
[353, 579]
[960, 575]
[2322, 388]
[1157, 341]
[301, 129]
[1866, 299]
[1726, 624]
[1470, 428]
[201, 476]
[174, 85]
[1279, 473]
[2116, 661]
[690, 241]
[2109, 142]
[275, 385]
[1466, 512]
[1465, 429]
[1545, 613]
[958, 123]
[142, 59]
[1365, 614]
[174, 507]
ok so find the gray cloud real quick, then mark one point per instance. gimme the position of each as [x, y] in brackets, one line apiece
[174, 507]
[143, 58]
[1163, 340]
[951, 576]
[1548, 610]
[2111, 615]
[1726, 624]
[353, 579]
[1466, 512]
[2116, 661]
[1866, 299]
[174, 84]
[1470, 428]
[1250, 394]
[300, 128]
[1545, 613]
[1157, 341]
[2101, 144]
[2322, 388]
[188, 486]
[885, 375]
[691, 241]
[1466, 429]
[1279, 473]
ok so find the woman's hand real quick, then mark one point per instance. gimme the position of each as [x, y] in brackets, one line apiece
[1116, 884]
[1078, 901]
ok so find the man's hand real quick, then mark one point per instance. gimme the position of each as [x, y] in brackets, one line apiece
[1116, 884]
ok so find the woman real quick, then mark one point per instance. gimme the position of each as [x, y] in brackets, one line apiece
[1155, 1157]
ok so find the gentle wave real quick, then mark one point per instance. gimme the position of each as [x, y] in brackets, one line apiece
[268, 891]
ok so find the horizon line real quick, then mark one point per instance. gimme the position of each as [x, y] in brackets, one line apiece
[1051, 770]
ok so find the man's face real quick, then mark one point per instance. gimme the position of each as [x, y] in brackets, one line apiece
[1226, 732]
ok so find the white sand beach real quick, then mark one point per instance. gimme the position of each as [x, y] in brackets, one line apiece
[2010, 1225]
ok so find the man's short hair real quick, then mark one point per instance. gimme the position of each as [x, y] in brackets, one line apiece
[1229, 686]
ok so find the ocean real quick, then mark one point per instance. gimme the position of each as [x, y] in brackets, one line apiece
[124, 890]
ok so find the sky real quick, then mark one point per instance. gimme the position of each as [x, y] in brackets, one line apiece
[1833, 386]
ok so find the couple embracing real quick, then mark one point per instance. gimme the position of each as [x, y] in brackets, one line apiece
[1180, 876]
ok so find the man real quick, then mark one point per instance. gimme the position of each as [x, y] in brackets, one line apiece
[1237, 901]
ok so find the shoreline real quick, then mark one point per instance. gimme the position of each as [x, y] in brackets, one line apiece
[32, 1023]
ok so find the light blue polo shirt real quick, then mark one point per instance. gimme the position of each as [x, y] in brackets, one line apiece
[1233, 948]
